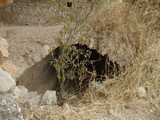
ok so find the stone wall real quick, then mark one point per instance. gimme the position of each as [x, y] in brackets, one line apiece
[29, 12]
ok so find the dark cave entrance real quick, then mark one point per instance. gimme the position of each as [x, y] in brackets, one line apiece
[80, 70]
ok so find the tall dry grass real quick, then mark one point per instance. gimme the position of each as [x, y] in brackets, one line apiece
[129, 31]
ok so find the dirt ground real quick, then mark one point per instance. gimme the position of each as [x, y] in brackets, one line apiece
[94, 111]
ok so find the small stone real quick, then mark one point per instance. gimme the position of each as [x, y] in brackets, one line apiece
[16, 92]
[91, 44]
[23, 91]
[49, 98]
[3, 43]
[141, 92]
[9, 108]
[65, 107]
[6, 81]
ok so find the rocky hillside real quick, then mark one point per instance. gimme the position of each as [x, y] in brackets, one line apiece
[126, 31]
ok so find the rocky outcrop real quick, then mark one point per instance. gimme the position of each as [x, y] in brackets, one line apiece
[6, 82]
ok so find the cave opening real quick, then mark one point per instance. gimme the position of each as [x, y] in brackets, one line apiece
[80, 66]
[84, 66]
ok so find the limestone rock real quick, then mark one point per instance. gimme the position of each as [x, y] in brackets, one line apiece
[3, 50]
[10, 68]
[141, 92]
[23, 91]
[9, 109]
[49, 98]
[16, 92]
[6, 81]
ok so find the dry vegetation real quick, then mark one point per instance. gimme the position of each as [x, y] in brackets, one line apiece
[130, 33]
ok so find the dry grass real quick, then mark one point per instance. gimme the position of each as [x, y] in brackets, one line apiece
[130, 33]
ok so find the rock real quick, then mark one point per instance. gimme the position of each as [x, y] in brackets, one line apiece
[23, 91]
[16, 92]
[6, 81]
[65, 107]
[3, 43]
[3, 50]
[45, 51]
[9, 109]
[10, 68]
[37, 55]
[49, 98]
[141, 92]
[32, 99]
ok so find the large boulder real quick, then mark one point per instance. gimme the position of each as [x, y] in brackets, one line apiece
[6, 82]
[3, 50]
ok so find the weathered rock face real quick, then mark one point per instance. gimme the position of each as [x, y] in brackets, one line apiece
[6, 81]
[3, 50]
[29, 12]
